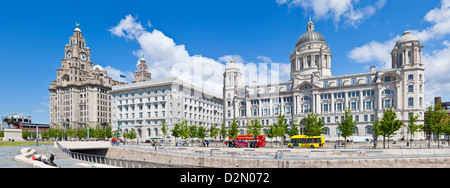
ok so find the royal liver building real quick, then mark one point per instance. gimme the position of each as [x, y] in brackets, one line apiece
[79, 97]
[312, 88]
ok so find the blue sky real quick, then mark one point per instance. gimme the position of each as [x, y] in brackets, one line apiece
[360, 34]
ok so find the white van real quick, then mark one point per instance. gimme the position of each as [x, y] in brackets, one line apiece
[359, 139]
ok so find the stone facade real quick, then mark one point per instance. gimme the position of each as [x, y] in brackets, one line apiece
[143, 106]
[312, 89]
[80, 96]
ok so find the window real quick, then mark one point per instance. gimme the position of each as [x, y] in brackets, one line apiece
[411, 88]
[387, 79]
[353, 81]
[410, 77]
[369, 130]
[388, 92]
[410, 102]
[325, 84]
[368, 80]
[339, 83]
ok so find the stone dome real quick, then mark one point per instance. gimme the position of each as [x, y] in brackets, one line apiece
[310, 35]
[98, 67]
[232, 65]
[407, 37]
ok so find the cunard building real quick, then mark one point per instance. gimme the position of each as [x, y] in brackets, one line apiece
[313, 89]
[80, 94]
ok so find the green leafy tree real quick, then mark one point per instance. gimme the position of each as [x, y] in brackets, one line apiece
[214, 132]
[436, 119]
[164, 129]
[223, 131]
[280, 128]
[202, 132]
[249, 129]
[71, 133]
[412, 126]
[389, 124]
[192, 130]
[108, 132]
[233, 131]
[314, 126]
[347, 125]
[176, 131]
[376, 132]
[294, 130]
[271, 132]
[256, 128]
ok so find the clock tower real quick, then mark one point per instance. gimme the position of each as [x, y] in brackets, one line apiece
[79, 97]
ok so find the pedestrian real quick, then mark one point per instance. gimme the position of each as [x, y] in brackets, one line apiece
[207, 143]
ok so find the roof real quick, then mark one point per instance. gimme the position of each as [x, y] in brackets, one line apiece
[407, 37]
[310, 36]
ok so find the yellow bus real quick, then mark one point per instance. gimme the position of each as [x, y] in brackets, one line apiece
[306, 142]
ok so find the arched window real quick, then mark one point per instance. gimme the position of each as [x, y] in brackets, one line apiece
[149, 132]
[339, 82]
[400, 62]
[353, 81]
[409, 57]
[306, 98]
[369, 130]
[388, 92]
[156, 132]
[368, 80]
[325, 84]
[327, 131]
[356, 130]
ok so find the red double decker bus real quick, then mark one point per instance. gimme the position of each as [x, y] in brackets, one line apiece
[243, 141]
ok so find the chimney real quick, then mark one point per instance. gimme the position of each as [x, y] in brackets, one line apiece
[437, 100]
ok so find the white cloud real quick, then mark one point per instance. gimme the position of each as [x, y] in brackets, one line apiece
[374, 52]
[437, 67]
[336, 9]
[162, 52]
[115, 74]
[128, 28]
[38, 111]
[437, 64]
[440, 20]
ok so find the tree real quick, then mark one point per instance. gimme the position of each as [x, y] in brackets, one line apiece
[176, 131]
[234, 129]
[214, 132]
[436, 119]
[294, 131]
[314, 126]
[108, 132]
[249, 129]
[389, 124]
[164, 128]
[202, 132]
[280, 127]
[223, 131]
[376, 132]
[256, 128]
[192, 130]
[347, 126]
[412, 126]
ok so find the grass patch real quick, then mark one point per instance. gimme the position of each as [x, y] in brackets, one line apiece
[23, 143]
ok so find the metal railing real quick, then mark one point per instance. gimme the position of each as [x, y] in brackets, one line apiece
[113, 162]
